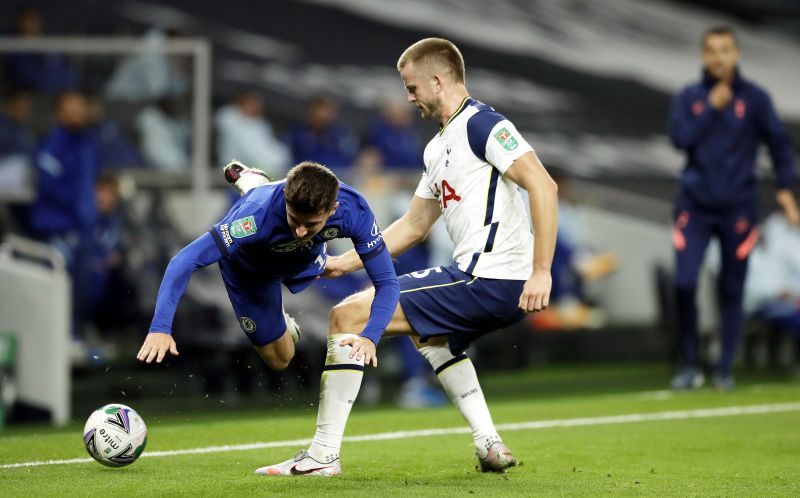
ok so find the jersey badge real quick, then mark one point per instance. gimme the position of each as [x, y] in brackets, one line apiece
[331, 233]
[243, 227]
[506, 139]
[248, 325]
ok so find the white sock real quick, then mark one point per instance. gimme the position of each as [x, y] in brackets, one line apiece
[249, 181]
[460, 381]
[341, 380]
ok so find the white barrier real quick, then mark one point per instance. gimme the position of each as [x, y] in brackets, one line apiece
[35, 307]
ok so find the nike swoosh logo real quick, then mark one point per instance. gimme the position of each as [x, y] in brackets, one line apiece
[295, 472]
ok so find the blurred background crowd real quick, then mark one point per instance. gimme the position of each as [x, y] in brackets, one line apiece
[111, 160]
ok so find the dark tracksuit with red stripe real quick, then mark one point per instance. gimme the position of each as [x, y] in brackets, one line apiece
[718, 197]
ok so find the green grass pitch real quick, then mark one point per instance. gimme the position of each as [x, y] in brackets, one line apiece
[738, 455]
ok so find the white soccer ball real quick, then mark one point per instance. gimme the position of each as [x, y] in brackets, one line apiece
[115, 435]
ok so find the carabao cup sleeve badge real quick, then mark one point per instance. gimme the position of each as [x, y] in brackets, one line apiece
[243, 227]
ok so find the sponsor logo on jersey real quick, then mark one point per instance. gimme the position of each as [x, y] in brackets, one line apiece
[243, 227]
[506, 139]
[375, 229]
[248, 325]
[294, 245]
[374, 242]
[331, 233]
[226, 234]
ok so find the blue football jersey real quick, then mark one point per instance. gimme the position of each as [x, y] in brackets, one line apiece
[257, 243]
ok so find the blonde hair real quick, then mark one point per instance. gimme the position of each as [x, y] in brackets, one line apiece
[436, 52]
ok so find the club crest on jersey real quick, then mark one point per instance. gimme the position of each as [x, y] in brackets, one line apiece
[331, 233]
[506, 139]
[243, 227]
[248, 325]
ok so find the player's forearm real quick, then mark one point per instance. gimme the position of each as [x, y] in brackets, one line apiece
[543, 199]
[387, 293]
[199, 253]
[398, 237]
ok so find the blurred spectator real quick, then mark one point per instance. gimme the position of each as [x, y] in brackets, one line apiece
[67, 162]
[114, 303]
[64, 213]
[396, 139]
[720, 122]
[243, 133]
[164, 137]
[772, 287]
[149, 75]
[44, 72]
[16, 142]
[322, 138]
[574, 265]
[116, 150]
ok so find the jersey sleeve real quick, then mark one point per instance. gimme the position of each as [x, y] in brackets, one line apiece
[202, 252]
[495, 139]
[367, 239]
[363, 231]
[239, 226]
[423, 188]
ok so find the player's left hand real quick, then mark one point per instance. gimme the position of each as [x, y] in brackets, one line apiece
[333, 267]
[536, 292]
[362, 348]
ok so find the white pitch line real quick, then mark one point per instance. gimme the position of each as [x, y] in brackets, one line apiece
[533, 425]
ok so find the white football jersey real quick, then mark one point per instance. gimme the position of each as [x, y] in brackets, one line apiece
[483, 211]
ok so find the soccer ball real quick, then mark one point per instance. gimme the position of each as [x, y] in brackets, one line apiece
[115, 435]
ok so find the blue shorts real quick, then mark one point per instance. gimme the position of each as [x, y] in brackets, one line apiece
[445, 301]
[259, 312]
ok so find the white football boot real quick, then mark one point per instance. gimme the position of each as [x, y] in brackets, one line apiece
[292, 327]
[244, 178]
[302, 465]
[498, 458]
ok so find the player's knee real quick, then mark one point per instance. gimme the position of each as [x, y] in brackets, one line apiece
[278, 364]
[338, 321]
[276, 359]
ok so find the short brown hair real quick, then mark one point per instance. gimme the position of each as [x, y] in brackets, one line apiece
[311, 188]
[437, 51]
[718, 30]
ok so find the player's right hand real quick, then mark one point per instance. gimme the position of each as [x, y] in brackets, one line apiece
[720, 95]
[155, 346]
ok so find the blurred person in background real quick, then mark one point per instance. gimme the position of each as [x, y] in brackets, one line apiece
[114, 301]
[38, 72]
[719, 123]
[322, 137]
[164, 137]
[244, 134]
[396, 138]
[16, 140]
[388, 168]
[575, 264]
[64, 213]
[772, 287]
[150, 75]
[116, 149]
